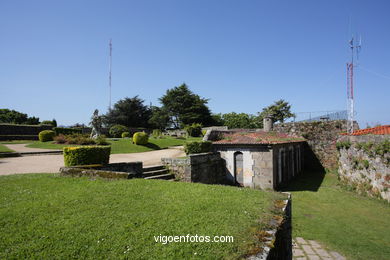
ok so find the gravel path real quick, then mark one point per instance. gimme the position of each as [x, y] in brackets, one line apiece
[21, 148]
[52, 163]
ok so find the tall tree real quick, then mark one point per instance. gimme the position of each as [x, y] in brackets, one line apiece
[159, 118]
[130, 112]
[279, 111]
[184, 107]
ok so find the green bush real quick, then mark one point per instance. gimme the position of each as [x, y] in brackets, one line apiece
[140, 138]
[197, 147]
[101, 140]
[204, 132]
[86, 155]
[194, 130]
[47, 122]
[125, 134]
[156, 133]
[46, 135]
[117, 130]
[343, 144]
[66, 131]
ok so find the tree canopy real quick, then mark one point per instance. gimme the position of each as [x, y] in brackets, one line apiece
[184, 107]
[159, 118]
[15, 117]
[130, 112]
[279, 111]
[240, 120]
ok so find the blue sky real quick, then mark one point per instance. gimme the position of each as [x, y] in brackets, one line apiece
[242, 55]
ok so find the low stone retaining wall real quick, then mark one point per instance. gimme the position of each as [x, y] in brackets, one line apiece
[364, 165]
[205, 168]
[110, 171]
[278, 239]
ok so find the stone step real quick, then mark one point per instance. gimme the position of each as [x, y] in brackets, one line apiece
[153, 168]
[155, 173]
[167, 176]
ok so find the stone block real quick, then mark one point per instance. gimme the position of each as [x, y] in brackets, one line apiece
[308, 250]
[298, 252]
[313, 257]
[314, 244]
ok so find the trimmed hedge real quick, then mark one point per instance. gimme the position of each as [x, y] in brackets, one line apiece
[197, 147]
[140, 138]
[66, 131]
[18, 137]
[125, 134]
[86, 155]
[46, 135]
[117, 130]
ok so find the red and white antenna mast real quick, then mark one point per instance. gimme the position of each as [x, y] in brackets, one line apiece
[109, 75]
[355, 49]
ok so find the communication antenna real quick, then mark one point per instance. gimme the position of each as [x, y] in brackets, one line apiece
[355, 49]
[109, 75]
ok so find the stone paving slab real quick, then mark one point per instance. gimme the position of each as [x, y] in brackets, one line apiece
[312, 250]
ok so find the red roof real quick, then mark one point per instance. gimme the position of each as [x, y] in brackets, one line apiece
[258, 138]
[379, 130]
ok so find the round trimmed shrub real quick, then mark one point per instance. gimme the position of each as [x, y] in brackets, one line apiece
[46, 135]
[86, 155]
[140, 138]
[125, 134]
[117, 130]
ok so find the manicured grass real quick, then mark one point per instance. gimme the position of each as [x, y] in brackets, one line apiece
[4, 149]
[44, 216]
[353, 225]
[125, 145]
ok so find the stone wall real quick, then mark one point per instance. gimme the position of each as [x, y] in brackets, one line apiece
[288, 161]
[205, 168]
[110, 171]
[278, 239]
[265, 167]
[362, 166]
[321, 138]
[257, 164]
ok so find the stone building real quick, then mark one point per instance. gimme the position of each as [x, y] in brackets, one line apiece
[261, 159]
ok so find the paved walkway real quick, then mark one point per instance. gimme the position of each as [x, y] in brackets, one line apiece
[21, 148]
[52, 163]
[312, 250]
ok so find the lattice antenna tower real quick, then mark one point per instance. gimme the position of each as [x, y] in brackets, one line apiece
[355, 49]
[109, 74]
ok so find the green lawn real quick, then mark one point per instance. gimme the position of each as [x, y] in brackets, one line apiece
[4, 149]
[44, 216]
[353, 225]
[120, 145]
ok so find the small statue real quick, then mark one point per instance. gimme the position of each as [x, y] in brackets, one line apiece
[96, 122]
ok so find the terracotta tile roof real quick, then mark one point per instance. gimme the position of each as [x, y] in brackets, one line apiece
[258, 138]
[379, 130]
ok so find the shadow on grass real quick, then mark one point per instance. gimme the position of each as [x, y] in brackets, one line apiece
[309, 180]
[152, 146]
